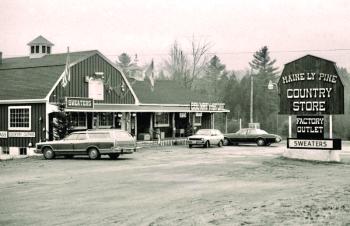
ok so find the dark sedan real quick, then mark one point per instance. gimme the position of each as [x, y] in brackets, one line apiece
[251, 135]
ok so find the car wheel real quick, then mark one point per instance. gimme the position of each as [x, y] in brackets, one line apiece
[48, 153]
[207, 144]
[226, 142]
[113, 156]
[220, 143]
[260, 142]
[93, 154]
[190, 145]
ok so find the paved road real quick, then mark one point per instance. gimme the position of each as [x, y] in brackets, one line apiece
[176, 186]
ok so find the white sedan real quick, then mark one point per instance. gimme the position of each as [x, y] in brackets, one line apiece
[206, 137]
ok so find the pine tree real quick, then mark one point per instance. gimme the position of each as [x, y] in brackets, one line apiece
[262, 62]
[61, 122]
[265, 101]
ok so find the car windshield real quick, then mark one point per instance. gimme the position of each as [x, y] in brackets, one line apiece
[203, 132]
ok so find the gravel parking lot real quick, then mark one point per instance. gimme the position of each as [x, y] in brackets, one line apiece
[177, 186]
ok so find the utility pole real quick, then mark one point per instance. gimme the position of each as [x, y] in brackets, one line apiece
[251, 96]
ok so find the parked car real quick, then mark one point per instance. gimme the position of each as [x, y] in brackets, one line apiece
[252, 135]
[93, 143]
[206, 137]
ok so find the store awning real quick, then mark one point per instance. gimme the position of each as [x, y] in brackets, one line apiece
[141, 108]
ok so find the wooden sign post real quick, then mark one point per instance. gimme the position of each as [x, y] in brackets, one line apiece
[310, 88]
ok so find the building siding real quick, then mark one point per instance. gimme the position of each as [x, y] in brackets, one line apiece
[77, 87]
[37, 126]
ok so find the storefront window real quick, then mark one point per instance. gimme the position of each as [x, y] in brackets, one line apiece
[161, 120]
[78, 119]
[198, 119]
[19, 117]
[106, 120]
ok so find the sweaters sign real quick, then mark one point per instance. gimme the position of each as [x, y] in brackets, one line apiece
[311, 86]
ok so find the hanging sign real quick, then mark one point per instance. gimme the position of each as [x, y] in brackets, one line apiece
[96, 89]
[310, 127]
[182, 115]
[3, 134]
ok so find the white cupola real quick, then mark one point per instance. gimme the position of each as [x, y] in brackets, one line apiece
[39, 47]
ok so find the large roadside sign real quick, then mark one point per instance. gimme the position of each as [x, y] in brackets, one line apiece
[310, 87]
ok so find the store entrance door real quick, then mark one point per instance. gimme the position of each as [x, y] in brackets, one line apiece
[89, 120]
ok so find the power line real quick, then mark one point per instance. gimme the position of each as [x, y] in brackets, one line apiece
[229, 52]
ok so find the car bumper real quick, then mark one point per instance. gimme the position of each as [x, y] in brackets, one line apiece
[128, 150]
[196, 142]
[38, 151]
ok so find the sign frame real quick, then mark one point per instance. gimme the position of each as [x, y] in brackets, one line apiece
[337, 145]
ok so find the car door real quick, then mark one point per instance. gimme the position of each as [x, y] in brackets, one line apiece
[65, 146]
[217, 136]
[251, 135]
[240, 136]
[80, 144]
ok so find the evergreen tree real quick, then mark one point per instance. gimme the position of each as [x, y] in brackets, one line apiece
[262, 62]
[212, 82]
[265, 107]
[128, 66]
[61, 122]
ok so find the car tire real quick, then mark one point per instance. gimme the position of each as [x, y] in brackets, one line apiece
[113, 156]
[207, 144]
[190, 145]
[260, 142]
[48, 153]
[93, 154]
[220, 143]
[226, 142]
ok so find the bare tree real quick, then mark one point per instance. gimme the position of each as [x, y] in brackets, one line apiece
[177, 64]
[199, 58]
[187, 67]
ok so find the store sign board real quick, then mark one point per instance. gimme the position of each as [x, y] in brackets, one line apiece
[201, 106]
[327, 144]
[21, 134]
[3, 134]
[79, 102]
[311, 86]
[310, 127]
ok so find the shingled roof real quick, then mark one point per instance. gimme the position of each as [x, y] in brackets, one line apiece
[32, 78]
[165, 92]
[40, 40]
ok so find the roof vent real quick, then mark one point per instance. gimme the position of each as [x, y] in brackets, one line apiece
[39, 47]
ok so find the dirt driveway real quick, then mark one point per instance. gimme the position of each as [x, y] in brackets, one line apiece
[176, 186]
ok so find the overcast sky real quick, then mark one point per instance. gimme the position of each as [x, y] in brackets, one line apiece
[235, 29]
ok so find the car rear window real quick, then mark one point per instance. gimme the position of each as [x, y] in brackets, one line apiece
[99, 135]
